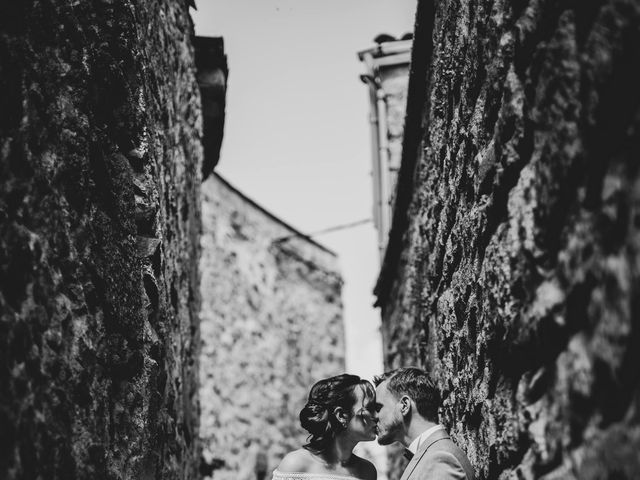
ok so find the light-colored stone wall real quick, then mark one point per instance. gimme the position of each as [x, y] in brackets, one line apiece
[271, 324]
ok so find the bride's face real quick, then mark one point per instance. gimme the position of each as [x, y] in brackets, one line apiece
[364, 417]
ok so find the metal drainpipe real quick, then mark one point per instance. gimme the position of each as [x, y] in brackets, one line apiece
[370, 80]
[380, 151]
[373, 121]
[383, 155]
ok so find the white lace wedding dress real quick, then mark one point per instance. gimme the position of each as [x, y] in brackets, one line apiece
[277, 475]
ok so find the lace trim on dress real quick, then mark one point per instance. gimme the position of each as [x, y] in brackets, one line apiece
[277, 475]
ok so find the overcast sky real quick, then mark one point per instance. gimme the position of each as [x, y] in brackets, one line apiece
[297, 137]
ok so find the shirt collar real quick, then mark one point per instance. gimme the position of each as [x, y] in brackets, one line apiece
[415, 445]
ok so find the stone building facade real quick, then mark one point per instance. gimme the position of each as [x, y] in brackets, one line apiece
[100, 172]
[513, 266]
[271, 324]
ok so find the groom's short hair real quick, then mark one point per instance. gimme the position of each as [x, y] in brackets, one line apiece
[417, 385]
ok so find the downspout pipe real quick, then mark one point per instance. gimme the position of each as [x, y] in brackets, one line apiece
[380, 153]
[383, 156]
[375, 165]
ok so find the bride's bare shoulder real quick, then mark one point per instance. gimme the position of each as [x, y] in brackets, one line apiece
[296, 461]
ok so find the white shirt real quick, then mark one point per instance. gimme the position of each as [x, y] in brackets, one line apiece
[415, 445]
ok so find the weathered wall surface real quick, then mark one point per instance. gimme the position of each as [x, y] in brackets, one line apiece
[271, 327]
[514, 275]
[99, 221]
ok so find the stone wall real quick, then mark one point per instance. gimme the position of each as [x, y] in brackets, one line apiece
[271, 327]
[512, 271]
[99, 226]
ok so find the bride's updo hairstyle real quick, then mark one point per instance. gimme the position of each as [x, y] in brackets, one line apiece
[318, 418]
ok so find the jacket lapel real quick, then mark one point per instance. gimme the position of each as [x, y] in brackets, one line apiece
[430, 440]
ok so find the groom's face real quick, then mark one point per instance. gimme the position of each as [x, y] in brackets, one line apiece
[390, 419]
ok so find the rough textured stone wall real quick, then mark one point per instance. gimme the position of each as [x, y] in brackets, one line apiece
[513, 274]
[99, 238]
[271, 327]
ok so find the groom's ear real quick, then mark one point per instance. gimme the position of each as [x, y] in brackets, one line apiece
[405, 405]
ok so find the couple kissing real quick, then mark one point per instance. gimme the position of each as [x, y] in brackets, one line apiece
[344, 410]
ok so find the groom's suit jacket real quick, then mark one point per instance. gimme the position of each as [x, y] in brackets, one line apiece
[438, 458]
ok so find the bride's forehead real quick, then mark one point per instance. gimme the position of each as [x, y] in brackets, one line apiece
[363, 396]
[358, 393]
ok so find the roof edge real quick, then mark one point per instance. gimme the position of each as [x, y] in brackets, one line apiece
[255, 204]
[386, 48]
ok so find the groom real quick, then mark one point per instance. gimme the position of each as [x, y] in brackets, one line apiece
[407, 402]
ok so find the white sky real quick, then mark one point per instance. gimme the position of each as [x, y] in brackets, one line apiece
[297, 136]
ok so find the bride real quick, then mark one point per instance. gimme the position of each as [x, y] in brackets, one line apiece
[341, 411]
